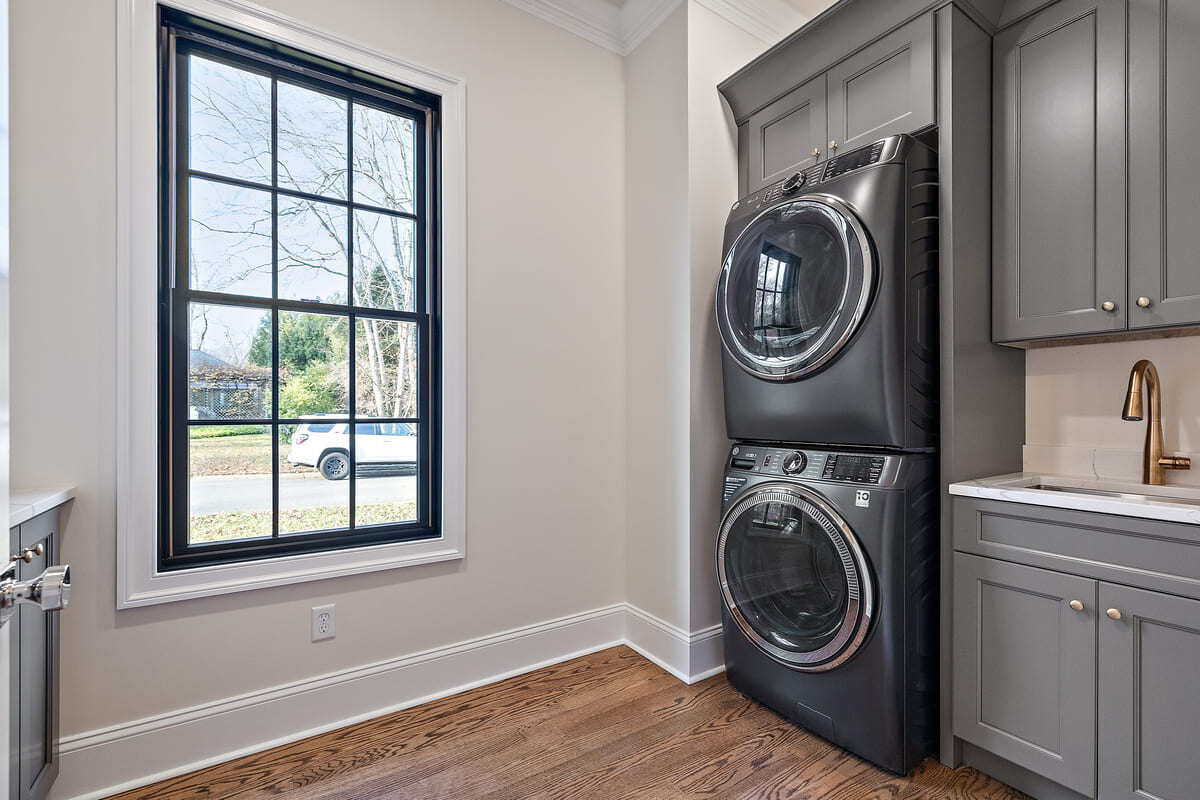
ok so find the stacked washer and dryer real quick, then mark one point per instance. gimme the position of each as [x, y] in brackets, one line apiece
[827, 549]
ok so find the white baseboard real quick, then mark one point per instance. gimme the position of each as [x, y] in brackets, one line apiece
[102, 762]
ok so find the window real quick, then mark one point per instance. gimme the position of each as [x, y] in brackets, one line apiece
[299, 280]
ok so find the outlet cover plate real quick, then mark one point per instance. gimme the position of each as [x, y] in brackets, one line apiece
[323, 623]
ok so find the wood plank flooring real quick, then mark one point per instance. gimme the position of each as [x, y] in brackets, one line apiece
[610, 725]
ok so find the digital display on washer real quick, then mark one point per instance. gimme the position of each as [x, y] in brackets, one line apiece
[859, 158]
[855, 469]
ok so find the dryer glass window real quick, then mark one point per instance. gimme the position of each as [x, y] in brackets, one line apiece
[793, 289]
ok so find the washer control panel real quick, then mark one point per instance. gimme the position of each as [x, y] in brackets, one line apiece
[867, 469]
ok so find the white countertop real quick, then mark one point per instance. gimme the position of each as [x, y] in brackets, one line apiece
[25, 505]
[1167, 503]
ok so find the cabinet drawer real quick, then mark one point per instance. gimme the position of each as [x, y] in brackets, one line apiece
[884, 89]
[1025, 667]
[1163, 556]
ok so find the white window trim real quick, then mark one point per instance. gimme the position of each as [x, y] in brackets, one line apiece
[139, 581]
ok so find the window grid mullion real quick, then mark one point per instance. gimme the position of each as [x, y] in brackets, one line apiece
[274, 308]
[352, 401]
[299, 195]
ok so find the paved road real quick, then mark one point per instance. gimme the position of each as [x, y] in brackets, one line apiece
[212, 495]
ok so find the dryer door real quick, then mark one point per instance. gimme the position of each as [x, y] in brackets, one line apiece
[794, 288]
[794, 577]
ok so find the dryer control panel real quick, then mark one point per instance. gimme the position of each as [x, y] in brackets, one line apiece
[805, 464]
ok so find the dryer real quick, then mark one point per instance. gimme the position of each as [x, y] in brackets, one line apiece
[827, 566]
[827, 303]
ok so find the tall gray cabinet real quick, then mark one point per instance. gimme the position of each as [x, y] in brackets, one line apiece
[1096, 214]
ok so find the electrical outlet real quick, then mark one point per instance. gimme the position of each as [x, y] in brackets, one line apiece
[323, 623]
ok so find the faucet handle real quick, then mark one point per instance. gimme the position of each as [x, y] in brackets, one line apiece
[1175, 462]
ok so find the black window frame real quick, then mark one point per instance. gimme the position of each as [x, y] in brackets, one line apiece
[181, 34]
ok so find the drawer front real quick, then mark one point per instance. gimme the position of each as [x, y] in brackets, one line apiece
[1150, 554]
[1025, 667]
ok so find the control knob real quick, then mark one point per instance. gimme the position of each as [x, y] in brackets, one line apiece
[793, 183]
[794, 463]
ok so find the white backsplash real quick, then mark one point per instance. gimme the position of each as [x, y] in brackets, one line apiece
[1073, 398]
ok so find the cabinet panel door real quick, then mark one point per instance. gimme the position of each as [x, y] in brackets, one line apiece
[1149, 695]
[1059, 174]
[784, 136]
[884, 89]
[1164, 126]
[34, 672]
[1025, 666]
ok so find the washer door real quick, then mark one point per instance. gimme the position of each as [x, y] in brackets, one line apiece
[794, 577]
[794, 288]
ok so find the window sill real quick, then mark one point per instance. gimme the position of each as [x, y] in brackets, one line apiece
[151, 587]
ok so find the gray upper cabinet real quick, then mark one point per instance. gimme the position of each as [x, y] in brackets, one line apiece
[1164, 120]
[1059, 210]
[787, 135]
[1025, 686]
[884, 89]
[1149, 695]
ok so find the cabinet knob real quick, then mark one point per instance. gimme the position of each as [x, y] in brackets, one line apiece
[1076, 605]
[1109, 306]
[1113, 613]
[816, 152]
[833, 144]
[29, 552]
[1143, 302]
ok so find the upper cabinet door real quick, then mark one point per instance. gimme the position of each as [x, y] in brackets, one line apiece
[1164, 126]
[788, 135]
[1059, 265]
[1149, 695]
[884, 89]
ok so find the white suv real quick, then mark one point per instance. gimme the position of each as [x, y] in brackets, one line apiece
[326, 446]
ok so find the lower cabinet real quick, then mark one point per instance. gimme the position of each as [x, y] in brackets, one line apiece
[33, 668]
[1025, 667]
[1093, 685]
[1149, 695]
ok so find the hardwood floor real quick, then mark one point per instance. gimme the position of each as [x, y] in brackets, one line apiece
[610, 725]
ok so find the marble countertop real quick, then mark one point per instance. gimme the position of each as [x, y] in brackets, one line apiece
[1167, 503]
[25, 505]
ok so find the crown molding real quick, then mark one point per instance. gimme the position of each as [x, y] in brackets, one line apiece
[623, 29]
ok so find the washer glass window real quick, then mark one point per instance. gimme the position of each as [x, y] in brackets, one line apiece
[794, 288]
[794, 578]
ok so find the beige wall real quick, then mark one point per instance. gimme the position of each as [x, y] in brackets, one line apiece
[546, 129]
[1073, 407]
[656, 315]
[716, 49]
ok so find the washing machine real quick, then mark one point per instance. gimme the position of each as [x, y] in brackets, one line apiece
[827, 566]
[827, 303]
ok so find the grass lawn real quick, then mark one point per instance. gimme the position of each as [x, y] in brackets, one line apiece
[246, 524]
[222, 453]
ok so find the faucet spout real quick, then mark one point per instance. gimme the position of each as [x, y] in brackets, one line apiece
[1154, 463]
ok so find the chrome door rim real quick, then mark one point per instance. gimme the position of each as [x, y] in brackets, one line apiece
[860, 608]
[787, 371]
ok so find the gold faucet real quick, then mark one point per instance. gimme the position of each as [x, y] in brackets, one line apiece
[1154, 463]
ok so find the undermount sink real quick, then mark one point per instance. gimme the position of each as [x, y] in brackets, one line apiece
[1139, 497]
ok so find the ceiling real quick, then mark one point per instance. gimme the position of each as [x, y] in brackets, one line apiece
[620, 25]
